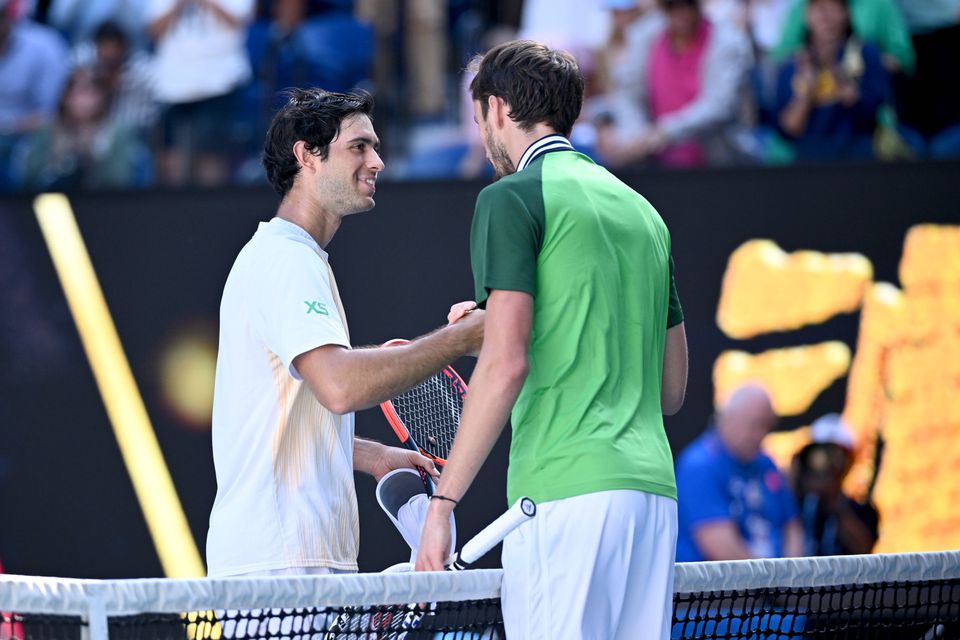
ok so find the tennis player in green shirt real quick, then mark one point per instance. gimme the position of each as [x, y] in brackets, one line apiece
[585, 344]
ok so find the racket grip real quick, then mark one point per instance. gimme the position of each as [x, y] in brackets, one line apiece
[522, 510]
[427, 480]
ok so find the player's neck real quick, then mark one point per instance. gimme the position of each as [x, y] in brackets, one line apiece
[309, 216]
[521, 140]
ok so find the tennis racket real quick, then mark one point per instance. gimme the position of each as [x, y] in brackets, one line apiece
[523, 510]
[426, 417]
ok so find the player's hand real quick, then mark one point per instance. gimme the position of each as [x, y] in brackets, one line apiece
[391, 458]
[459, 310]
[470, 322]
[435, 539]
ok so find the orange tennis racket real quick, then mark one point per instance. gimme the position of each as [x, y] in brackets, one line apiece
[426, 417]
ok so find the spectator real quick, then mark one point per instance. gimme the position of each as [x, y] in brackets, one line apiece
[201, 69]
[127, 74]
[734, 504]
[761, 21]
[929, 101]
[78, 20]
[80, 149]
[296, 47]
[876, 21]
[833, 523]
[680, 96]
[582, 28]
[33, 67]
[830, 94]
[625, 16]
[414, 31]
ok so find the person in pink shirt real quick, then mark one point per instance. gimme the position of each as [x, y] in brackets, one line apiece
[681, 91]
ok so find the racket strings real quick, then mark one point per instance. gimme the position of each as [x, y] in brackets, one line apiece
[431, 412]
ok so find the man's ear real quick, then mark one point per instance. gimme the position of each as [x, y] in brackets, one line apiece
[497, 110]
[305, 158]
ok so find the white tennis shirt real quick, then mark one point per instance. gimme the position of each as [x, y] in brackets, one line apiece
[284, 463]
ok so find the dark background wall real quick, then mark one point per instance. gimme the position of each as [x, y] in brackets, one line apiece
[67, 507]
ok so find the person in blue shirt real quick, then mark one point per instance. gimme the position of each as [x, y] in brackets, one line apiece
[734, 503]
[830, 93]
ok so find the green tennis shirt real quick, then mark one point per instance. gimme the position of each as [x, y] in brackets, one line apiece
[595, 256]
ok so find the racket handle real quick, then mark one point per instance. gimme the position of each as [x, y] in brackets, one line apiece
[522, 510]
[427, 480]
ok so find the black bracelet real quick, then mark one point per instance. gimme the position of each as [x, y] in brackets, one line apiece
[439, 497]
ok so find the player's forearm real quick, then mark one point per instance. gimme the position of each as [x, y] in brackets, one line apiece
[346, 380]
[365, 454]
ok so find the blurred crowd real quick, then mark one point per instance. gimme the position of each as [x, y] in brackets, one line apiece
[131, 93]
[736, 504]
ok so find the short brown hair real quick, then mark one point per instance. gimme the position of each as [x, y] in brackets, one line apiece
[541, 85]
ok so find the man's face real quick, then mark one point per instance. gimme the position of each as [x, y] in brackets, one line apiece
[827, 19]
[743, 428]
[496, 151]
[683, 18]
[110, 54]
[346, 181]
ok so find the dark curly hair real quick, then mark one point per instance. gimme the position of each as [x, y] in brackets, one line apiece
[539, 83]
[311, 115]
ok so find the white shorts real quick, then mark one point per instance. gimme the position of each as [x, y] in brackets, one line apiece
[597, 566]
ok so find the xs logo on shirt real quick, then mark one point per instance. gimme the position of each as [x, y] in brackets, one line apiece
[315, 306]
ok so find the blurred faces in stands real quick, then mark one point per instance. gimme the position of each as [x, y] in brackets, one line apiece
[683, 18]
[828, 21]
[745, 420]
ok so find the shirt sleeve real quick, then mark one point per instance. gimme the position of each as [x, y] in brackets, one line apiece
[293, 309]
[505, 241]
[674, 311]
[701, 494]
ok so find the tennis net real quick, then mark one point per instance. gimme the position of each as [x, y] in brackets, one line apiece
[914, 596]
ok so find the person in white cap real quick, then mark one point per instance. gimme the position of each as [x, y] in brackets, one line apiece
[833, 523]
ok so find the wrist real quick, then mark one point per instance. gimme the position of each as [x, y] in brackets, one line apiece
[441, 504]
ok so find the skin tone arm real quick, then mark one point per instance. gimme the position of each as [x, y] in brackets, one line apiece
[793, 539]
[853, 533]
[674, 385]
[214, 7]
[494, 387]
[721, 540]
[158, 27]
[377, 459]
[346, 380]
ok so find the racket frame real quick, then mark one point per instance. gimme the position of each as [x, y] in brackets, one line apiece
[396, 423]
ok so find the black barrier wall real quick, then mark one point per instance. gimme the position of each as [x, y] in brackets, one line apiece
[68, 507]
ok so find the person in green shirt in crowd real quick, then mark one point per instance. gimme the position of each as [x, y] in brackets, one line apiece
[878, 22]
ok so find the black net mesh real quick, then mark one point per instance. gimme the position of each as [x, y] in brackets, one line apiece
[919, 601]
[465, 620]
[885, 610]
[431, 411]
